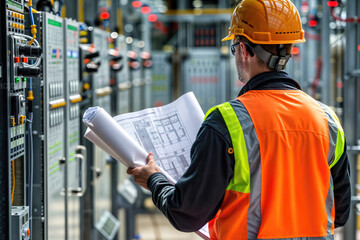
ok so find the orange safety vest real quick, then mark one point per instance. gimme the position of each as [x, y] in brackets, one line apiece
[285, 144]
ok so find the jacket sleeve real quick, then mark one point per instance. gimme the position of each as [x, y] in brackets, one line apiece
[198, 194]
[340, 173]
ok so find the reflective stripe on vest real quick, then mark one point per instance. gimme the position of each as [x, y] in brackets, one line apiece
[241, 180]
[266, 202]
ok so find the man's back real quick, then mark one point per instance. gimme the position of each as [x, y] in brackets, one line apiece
[293, 134]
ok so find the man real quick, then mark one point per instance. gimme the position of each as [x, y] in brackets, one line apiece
[270, 164]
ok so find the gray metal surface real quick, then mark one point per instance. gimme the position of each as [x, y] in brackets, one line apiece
[102, 98]
[327, 89]
[123, 79]
[351, 107]
[72, 134]
[204, 73]
[137, 81]
[162, 77]
[20, 223]
[49, 133]
[5, 188]
[235, 83]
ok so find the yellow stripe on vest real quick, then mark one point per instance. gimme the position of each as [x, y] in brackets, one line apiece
[241, 180]
[340, 140]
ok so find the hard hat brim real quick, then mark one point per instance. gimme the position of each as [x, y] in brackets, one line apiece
[227, 38]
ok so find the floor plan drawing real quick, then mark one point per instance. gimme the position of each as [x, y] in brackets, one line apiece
[164, 136]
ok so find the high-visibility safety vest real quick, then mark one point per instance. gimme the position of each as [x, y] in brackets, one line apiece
[284, 145]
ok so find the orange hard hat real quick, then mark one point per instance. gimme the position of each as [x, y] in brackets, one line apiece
[266, 22]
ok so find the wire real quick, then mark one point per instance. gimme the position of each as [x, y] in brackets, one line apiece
[13, 181]
[31, 168]
[32, 24]
[316, 82]
[36, 43]
[348, 20]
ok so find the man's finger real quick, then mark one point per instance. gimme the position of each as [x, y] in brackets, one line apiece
[130, 171]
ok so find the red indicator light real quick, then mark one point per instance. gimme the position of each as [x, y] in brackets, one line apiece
[158, 25]
[359, 47]
[136, 4]
[152, 18]
[333, 3]
[295, 51]
[145, 10]
[104, 15]
[313, 23]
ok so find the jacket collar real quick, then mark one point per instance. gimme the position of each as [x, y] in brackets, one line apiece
[270, 80]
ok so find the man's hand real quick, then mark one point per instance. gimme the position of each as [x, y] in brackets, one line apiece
[142, 174]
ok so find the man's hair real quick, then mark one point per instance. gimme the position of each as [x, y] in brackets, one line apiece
[271, 48]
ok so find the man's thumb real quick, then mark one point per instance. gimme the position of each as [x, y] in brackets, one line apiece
[150, 157]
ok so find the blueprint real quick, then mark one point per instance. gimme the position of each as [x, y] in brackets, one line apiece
[168, 132]
[163, 134]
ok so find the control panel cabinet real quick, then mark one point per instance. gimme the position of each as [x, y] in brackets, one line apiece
[49, 132]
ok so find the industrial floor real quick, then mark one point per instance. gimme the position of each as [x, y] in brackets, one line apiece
[157, 227]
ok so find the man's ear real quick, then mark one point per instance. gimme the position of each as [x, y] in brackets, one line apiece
[244, 52]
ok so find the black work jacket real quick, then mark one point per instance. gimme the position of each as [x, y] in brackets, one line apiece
[198, 195]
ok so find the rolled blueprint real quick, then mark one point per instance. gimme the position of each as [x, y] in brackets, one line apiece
[107, 134]
[90, 135]
[118, 142]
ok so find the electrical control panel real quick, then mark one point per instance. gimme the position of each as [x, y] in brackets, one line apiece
[204, 74]
[20, 228]
[235, 83]
[49, 112]
[15, 5]
[73, 98]
[19, 56]
[122, 78]
[76, 163]
[96, 67]
[146, 75]
[161, 78]
[135, 75]
[102, 76]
